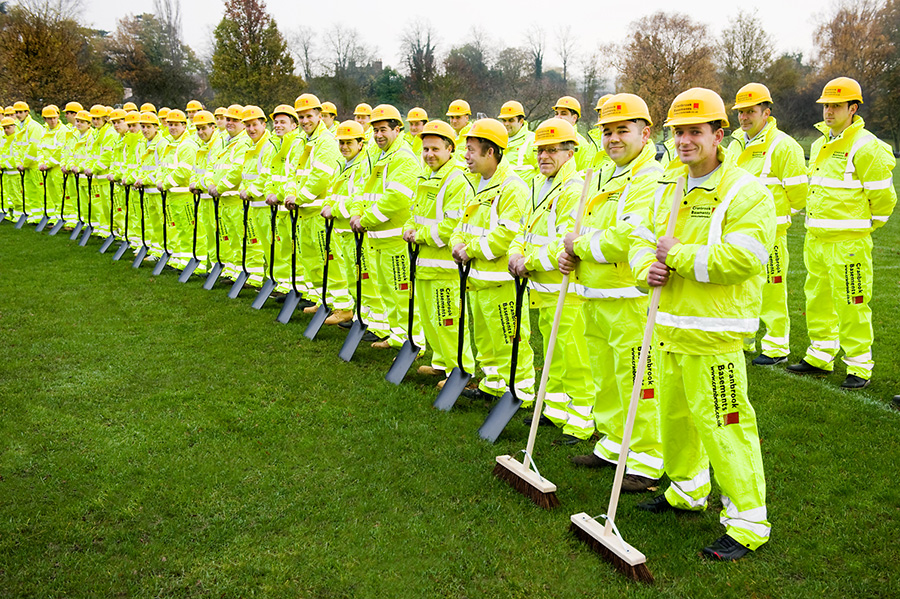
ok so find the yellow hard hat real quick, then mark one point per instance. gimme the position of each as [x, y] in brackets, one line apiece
[253, 112]
[602, 101]
[50, 111]
[148, 107]
[99, 111]
[149, 118]
[458, 108]
[176, 116]
[164, 112]
[329, 108]
[417, 114]
[554, 131]
[569, 103]
[386, 112]
[73, 107]
[220, 111]
[235, 111]
[349, 130]
[193, 105]
[511, 109]
[363, 110]
[8, 121]
[83, 115]
[441, 129]
[624, 107]
[9, 110]
[127, 107]
[117, 114]
[306, 102]
[132, 116]
[204, 117]
[20, 106]
[491, 130]
[842, 89]
[751, 95]
[697, 105]
[285, 109]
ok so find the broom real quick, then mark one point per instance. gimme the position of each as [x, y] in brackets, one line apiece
[606, 540]
[520, 476]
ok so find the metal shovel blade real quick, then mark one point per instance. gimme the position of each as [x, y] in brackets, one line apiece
[352, 341]
[123, 247]
[57, 227]
[318, 319]
[107, 243]
[21, 222]
[40, 226]
[263, 295]
[161, 263]
[402, 363]
[455, 384]
[2, 215]
[76, 230]
[139, 257]
[238, 285]
[189, 269]
[213, 276]
[499, 417]
[291, 301]
[88, 231]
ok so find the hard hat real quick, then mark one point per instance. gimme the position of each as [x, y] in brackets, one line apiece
[253, 112]
[20, 106]
[99, 111]
[83, 115]
[176, 116]
[50, 111]
[235, 111]
[9, 110]
[329, 108]
[193, 105]
[417, 114]
[285, 109]
[511, 109]
[204, 117]
[117, 114]
[458, 108]
[73, 107]
[349, 130]
[132, 116]
[108, 109]
[306, 102]
[602, 101]
[220, 111]
[149, 118]
[441, 129]
[7, 121]
[697, 105]
[491, 130]
[148, 107]
[554, 131]
[363, 110]
[842, 89]
[624, 107]
[127, 107]
[569, 103]
[164, 112]
[386, 112]
[751, 95]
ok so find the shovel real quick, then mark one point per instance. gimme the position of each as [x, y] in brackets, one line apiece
[292, 299]
[194, 262]
[40, 226]
[359, 327]
[88, 227]
[161, 263]
[509, 404]
[458, 378]
[269, 284]
[216, 269]
[124, 245]
[21, 222]
[142, 251]
[243, 275]
[409, 351]
[79, 224]
[62, 208]
[318, 319]
[2, 200]
[112, 211]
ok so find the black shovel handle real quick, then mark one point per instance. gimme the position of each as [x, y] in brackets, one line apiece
[358, 238]
[274, 223]
[112, 204]
[463, 277]
[216, 211]
[244, 241]
[90, 178]
[521, 286]
[165, 219]
[294, 217]
[78, 194]
[141, 196]
[413, 249]
[196, 218]
[62, 206]
[22, 181]
[127, 204]
[44, 176]
[329, 226]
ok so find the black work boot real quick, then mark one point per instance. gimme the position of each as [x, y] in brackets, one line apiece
[804, 367]
[726, 549]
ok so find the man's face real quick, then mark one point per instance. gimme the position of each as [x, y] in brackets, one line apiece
[309, 120]
[134, 127]
[753, 119]
[9, 130]
[328, 119]
[149, 131]
[205, 131]
[70, 117]
[551, 158]
[476, 161]
[436, 151]
[624, 140]
[82, 125]
[255, 128]
[176, 128]
[567, 115]
[512, 124]
[459, 121]
[221, 122]
[415, 127]
[120, 126]
[696, 144]
[350, 148]
[190, 115]
[52, 122]
[837, 116]
[362, 119]
[383, 134]
[283, 124]
[21, 114]
[233, 126]
[97, 122]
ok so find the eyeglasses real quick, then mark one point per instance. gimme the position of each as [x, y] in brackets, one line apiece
[548, 151]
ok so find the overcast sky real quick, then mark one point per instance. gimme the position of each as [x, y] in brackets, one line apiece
[790, 23]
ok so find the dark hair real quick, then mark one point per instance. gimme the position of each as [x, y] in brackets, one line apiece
[852, 102]
[392, 123]
[567, 145]
[486, 145]
[641, 123]
[446, 141]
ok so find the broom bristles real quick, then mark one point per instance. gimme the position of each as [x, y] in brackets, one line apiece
[547, 501]
[639, 572]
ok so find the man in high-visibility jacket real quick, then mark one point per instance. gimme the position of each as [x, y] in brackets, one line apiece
[28, 138]
[555, 192]
[10, 173]
[132, 153]
[489, 223]
[851, 193]
[77, 157]
[192, 108]
[101, 152]
[207, 134]
[615, 308]
[595, 133]
[440, 196]
[459, 116]
[381, 214]
[569, 109]
[116, 166]
[520, 149]
[711, 278]
[177, 169]
[416, 119]
[51, 149]
[146, 178]
[221, 121]
[329, 116]
[776, 159]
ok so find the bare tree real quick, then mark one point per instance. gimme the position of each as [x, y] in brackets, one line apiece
[536, 43]
[346, 49]
[744, 52]
[418, 48]
[565, 47]
[301, 43]
[54, 11]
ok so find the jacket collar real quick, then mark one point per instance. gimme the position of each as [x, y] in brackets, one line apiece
[857, 124]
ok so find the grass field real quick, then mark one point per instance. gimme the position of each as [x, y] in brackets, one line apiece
[159, 440]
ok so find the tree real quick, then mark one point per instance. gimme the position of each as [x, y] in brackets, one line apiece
[301, 42]
[251, 63]
[388, 88]
[794, 98]
[744, 53]
[852, 43]
[418, 51]
[887, 106]
[536, 42]
[348, 65]
[565, 47]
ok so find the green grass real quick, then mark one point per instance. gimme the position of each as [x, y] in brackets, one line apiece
[159, 440]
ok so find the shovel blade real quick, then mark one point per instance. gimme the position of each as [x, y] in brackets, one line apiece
[291, 300]
[189, 269]
[2, 215]
[238, 285]
[76, 230]
[57, 227]
[263, 295]
[318, 319]
[499, 417]
[352, 341]
[40, 226]
[107, 243]
[161, 263]
[455, 384]
[21, 222]
[213, 276]
[402, 363]
[88, 231]
[139, 257]
[123, 247]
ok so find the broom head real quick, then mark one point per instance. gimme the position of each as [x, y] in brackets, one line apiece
[625, 558]
[526, 482]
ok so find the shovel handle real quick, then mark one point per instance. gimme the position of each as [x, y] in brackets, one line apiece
[463, 277]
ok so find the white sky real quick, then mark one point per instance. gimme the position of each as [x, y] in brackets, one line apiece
[790, 23]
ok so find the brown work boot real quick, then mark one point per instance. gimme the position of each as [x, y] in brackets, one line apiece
[590, 460]
[339, 316]
[383, 344]
[430, 371]
[633, 483]
[310, 309]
